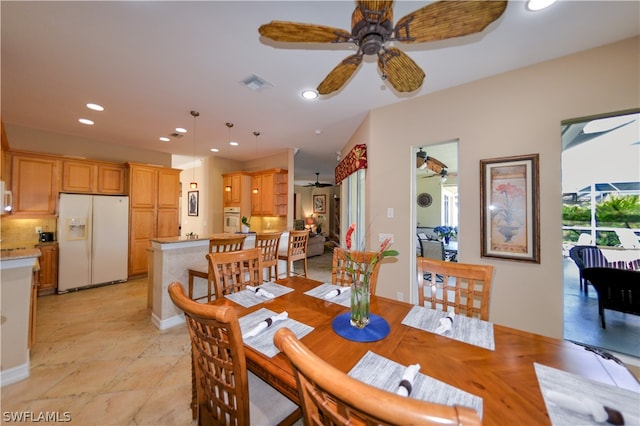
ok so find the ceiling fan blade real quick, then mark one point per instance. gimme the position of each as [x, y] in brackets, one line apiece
[303, 33]
[372, 11]
[447, 19]
[340, 74]
[435, 165]
[400, 70]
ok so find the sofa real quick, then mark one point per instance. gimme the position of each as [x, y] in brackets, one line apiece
[315, 245]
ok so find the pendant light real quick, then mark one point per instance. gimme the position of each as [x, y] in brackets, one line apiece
[194, 184]
[256, 134]
[227, 188]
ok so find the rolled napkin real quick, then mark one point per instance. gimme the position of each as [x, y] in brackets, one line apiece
[586, 406]
[446, 323]
[261, 292]
[267, 322]
[408, 376]
[336, 292]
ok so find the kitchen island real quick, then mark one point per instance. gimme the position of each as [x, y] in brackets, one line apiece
[16, 270]
[169, 261]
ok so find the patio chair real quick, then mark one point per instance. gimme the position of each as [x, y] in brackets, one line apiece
[618, 290]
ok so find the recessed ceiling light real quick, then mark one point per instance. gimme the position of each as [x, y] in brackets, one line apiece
[310, 94]
[181, 130]
[165, 139]
[215, 150]
[535, 5]
[95, 107]
[86, 121]
[234, 143]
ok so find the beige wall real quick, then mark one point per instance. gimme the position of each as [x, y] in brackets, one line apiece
[515, 113]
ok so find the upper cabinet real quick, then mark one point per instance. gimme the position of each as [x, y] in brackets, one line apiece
[35, 184]
[269, 193]
[92, 177]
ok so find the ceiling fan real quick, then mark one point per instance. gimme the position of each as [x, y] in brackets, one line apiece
[423, 161]
[442, 175]
[372, 27]
[317, 183]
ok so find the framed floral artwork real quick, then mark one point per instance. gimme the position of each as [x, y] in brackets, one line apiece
[320, 204]
[509, 208]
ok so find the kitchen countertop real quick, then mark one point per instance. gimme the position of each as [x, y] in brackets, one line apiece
[169, 240]
[14, 254]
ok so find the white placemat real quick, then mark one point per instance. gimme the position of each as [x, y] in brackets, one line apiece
[386, 374]
[263, 342]
[319, 292]
[468, 330]
[249, 298]
[587, 392]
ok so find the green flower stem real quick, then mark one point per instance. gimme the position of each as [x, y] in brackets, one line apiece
[360, 301]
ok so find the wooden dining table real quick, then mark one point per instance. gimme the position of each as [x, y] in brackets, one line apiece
[504, 378]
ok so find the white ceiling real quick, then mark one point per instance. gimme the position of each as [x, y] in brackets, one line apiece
[150, 63]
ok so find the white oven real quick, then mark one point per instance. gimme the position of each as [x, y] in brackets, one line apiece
[232, 219]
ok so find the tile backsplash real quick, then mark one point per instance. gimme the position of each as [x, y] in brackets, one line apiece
[19, 233]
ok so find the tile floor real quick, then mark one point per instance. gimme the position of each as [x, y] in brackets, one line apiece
[98, 358]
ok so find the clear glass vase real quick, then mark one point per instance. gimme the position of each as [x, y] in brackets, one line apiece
[360, 301]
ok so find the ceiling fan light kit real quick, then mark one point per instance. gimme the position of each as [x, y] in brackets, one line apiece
[372, 27]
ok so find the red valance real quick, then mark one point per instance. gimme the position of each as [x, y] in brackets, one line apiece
[356, 159]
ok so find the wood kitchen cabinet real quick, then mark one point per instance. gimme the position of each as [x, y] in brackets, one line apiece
[91, 177]
[35, 184]
[270, 199]
[236, 190]
[154, 198]
[48, 273]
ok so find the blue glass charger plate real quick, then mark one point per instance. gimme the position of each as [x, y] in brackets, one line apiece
[377, 329]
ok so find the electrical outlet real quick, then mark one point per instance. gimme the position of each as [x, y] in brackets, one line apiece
[38, 229]
[382, 237]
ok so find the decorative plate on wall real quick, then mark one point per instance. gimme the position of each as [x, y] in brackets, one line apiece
[424, 199]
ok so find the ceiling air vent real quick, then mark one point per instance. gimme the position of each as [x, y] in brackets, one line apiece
[255, 83]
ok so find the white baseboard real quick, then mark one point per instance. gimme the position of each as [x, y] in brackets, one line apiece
[167, 323]
[15, 374]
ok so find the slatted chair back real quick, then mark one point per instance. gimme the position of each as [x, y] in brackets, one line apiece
[330, 397]
[220, 379]
[226, 244]
[464, 287]
[268, 244]
[342, 267]
[233, 271]
[296, 250]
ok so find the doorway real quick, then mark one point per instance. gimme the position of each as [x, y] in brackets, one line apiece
[601, 201]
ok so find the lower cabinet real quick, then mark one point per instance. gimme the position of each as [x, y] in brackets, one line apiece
[48, 273]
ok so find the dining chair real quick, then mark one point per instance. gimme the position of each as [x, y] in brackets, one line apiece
[464, 287]
[433, 249]
[233, 271]
[342, 261]
[224, 392]
[296, 250]
[201, 269]
[269, 244]
[329, 396]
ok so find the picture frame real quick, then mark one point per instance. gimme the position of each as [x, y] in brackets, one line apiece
[193, 202]
[509, 208]
[320, 204]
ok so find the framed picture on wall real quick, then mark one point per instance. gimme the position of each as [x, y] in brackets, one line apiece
[320, 204]
[509, 199]
[194, 201]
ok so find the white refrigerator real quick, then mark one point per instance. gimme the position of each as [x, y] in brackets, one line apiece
[93, 233]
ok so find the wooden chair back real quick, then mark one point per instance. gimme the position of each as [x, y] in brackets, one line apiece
[296, 249]
[343, 261]
[464, 287]
[233, 271]
[219, 364]
[268, 244]
[226, 244]
[330, 397]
